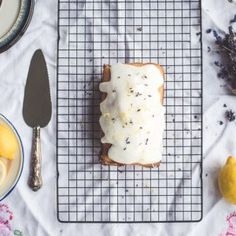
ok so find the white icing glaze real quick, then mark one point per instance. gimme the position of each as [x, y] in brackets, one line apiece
[9, 11]
[132, 114]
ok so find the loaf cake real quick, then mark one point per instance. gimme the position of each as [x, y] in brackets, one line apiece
[132, 114]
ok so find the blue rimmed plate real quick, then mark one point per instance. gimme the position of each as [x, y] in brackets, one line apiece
[20, 24]
[15, 166]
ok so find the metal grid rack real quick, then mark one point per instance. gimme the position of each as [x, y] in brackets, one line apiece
[97, 32]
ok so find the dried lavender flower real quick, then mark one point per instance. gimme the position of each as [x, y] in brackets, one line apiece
[230, 115]
[227, 45]
[208, 31]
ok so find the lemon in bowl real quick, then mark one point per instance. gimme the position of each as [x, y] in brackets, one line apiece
[8, 142]
[11, 157]
[3, 172]
[227, 180]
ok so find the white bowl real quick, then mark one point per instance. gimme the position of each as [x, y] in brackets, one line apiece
[16, 165]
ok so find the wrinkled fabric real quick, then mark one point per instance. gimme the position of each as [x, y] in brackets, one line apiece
[35, 213]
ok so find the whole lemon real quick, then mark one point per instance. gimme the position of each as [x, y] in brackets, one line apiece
[227, 180]
[8, 142]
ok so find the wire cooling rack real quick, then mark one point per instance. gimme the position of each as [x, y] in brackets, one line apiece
[97, 32]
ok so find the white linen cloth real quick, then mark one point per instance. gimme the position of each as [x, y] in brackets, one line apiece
[35, 213]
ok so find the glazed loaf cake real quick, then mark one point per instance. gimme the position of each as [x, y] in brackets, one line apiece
[132, 114]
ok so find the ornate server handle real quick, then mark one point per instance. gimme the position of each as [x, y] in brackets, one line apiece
[35, 180]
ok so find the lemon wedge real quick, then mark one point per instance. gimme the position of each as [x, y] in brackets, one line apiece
[3, 172]
[8, 142]
[227, 180]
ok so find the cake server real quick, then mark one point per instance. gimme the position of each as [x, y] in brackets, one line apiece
[37, 110]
